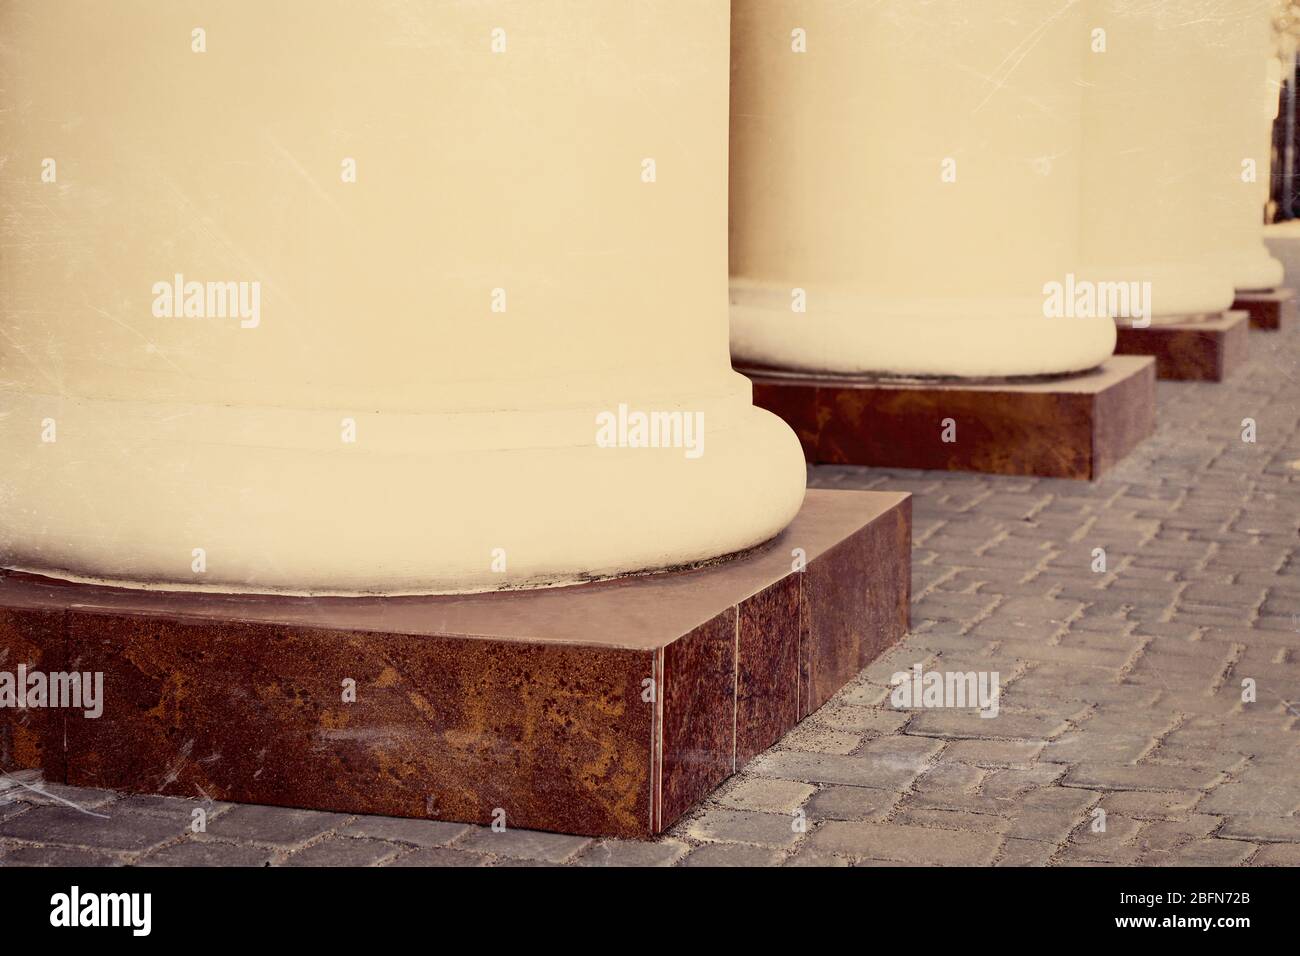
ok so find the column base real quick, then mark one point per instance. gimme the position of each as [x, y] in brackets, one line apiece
[1271, 310]
[609, 708]
[1075, 426]
[1205, 350]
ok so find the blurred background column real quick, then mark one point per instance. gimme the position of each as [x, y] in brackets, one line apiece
[1240, 84]
[905, 184]
[1150, 152]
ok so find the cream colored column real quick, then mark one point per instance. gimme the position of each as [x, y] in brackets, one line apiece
[1151, 154]
[907, 173]
[470, 248]
[1240, 86]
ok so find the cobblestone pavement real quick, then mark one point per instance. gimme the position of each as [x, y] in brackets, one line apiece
[1122, 691]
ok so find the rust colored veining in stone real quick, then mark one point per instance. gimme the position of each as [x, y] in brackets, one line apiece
[877, 595]
[32, 737]
[1206, 351]
[445, 727]
[1269, 311]
[1074, 427]
[609, 708]
[699, 714]
[767, 667]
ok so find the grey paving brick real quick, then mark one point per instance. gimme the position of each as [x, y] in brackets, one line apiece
[1261, 829]
[1141, 777]
[114, 831]
[633, 853]
[523, 844]
[886, 773]
[208, 853]
[439, 856]
[733, 854]
[404, 830]
[345, 851]
[742, 826]
[765, 795]
[908, 844]
[851, 803]
[276, 826]
[58, 856]
[1025, 853]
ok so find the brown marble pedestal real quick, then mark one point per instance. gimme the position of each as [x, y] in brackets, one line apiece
[1071, 427]
[1206, 350]
[608, 708]
[1271, 310]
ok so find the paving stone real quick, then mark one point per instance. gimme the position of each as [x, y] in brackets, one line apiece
[1026, 853]
[864, 719]
[994, 753]
[1113, 854]
[40, 793]
[208, 853]
[633, 853]
[177, 807]
[765, 795]
[815, 738]
[276, 826]
[1277, 854]
[743, 826]
[907, 844]
[969, 724]
[8, 810]
[1143, 777]
[808, 855]
[943, 819]
[733, 854]
[1210, 852]
[851, 803]
[403, 830]
[887, 773]
[439, 856]
[1048, 826]
[344, 851]
[1013, 782]
[57, 856]
[949, 775]
[1168, 834]
[1261, 829]
[523, 844]
[117, 831]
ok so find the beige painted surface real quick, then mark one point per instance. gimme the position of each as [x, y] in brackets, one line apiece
[1153, 122]
[1240, 89]
[837, 186]
[476, 171]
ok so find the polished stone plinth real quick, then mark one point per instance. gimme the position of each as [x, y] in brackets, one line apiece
[1076, 426]
[1206, 350]
[605, 708]
[1271, 310]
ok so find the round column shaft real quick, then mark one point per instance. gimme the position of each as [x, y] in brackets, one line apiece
[905, 188]
[1150, 156]
[1238, 95]
[328, 297]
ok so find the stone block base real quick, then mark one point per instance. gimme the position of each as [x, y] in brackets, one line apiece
[1271, 310]
[609, 708]
[1070, 427]
[1208, 350]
